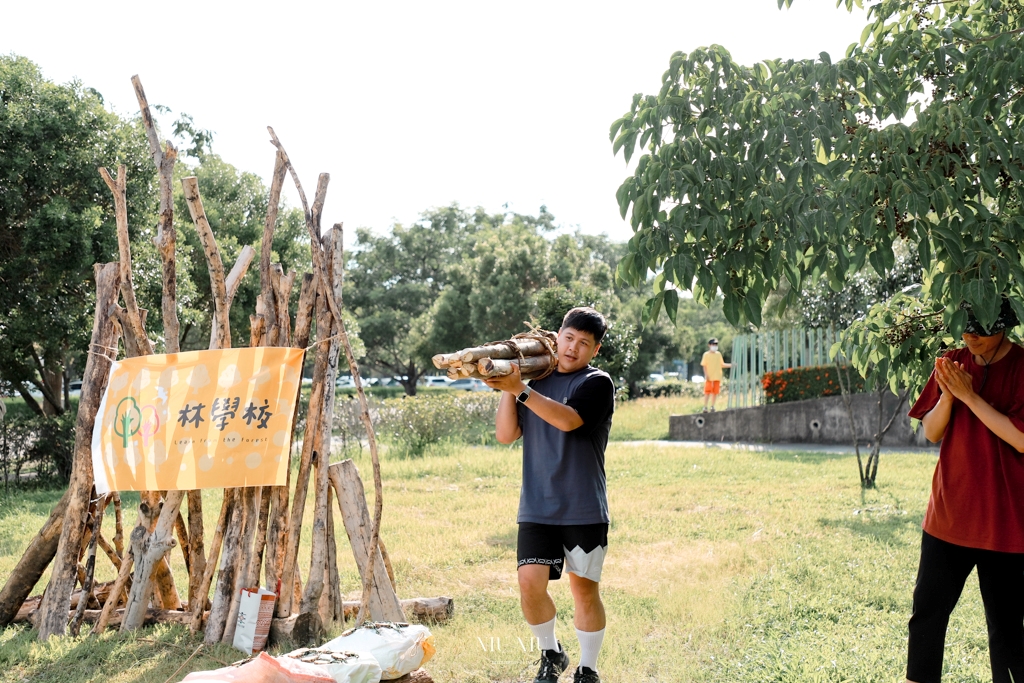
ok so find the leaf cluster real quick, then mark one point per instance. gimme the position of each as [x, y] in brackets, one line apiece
[750, 178]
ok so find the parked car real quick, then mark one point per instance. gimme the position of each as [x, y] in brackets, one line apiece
[656, 377]
[75, 387]
[435, 381]
[469, 384]
[697, 379]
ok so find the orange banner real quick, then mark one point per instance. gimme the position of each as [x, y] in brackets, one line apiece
[196, 420]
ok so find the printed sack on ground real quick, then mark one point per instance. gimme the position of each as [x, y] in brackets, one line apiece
[398, 648]
[264, 669]
[344, 667]
[255, 611]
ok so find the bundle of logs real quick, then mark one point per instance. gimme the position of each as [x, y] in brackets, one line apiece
[257, 530]
[534, 353]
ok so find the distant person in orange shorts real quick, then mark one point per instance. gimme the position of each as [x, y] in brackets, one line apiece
[712, 362]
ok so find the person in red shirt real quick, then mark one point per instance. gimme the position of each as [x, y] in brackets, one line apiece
[974, 403]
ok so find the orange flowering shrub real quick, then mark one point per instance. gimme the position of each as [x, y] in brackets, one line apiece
[797, 384]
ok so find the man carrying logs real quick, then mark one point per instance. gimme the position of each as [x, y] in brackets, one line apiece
[564, 418]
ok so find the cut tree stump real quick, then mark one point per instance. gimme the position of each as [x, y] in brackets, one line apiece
[302, 630]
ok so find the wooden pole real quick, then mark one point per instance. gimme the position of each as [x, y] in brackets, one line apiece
[251, 511]
[267, 290]
[383, 604]
[319, 553]
[90, 567]
[218, 284]
[197, 608]
[217, 621]
[278, 532]
[164, 240]
[166, 234]
[310, 445]
[57, 599]
[332, 577]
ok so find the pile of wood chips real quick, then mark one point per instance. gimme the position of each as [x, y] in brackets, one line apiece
[535, 353]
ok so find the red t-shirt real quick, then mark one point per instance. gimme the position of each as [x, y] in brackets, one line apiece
[977, 496]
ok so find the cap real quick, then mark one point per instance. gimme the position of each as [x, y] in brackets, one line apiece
[712, 341]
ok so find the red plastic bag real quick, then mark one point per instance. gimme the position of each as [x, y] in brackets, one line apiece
[264, 669]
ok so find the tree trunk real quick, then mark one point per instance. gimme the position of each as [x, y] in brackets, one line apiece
[844, 389]
[57, 600]
[876, 449]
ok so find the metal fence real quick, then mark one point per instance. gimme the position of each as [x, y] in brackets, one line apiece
[755, 354]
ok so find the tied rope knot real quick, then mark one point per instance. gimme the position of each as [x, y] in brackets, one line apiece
[545, 337]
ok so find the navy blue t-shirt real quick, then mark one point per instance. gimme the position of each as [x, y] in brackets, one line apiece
[563, 472]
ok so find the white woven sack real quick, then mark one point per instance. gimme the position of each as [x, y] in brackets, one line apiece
[344, 667]
[398, 648]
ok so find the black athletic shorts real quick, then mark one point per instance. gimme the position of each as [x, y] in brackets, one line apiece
[580, 547]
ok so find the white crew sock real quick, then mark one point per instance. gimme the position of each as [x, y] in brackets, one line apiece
[590, 646]
[545, 635]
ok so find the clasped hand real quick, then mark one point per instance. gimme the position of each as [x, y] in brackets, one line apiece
[953, 379]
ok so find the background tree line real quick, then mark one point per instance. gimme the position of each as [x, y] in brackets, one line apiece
[453, 278]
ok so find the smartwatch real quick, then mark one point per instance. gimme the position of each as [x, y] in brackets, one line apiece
[525, 394]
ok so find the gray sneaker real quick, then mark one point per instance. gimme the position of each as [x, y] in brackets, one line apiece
[552, 664]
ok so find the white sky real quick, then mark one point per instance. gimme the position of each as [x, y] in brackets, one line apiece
[410, 105]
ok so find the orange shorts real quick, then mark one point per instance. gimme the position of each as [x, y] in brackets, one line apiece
[712, 386]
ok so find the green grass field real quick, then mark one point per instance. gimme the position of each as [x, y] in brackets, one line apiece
[723, 566]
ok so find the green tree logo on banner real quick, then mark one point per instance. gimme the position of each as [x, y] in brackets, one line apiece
[129, 421]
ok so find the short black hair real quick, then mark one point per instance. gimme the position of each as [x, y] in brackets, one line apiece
[586, 319]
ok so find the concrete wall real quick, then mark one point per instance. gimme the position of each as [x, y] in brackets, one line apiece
[822, 420]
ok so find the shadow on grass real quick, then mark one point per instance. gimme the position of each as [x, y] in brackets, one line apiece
[884, 525]
[156, 652]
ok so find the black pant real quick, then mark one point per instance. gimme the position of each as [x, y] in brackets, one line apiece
[940, 579]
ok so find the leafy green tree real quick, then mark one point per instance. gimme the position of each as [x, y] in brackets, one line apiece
[56, 220]
[396, 281]
[813, 169]
[620, 347]
[457, 278]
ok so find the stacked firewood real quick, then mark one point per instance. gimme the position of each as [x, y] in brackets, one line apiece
[258, 528]
[534, 353]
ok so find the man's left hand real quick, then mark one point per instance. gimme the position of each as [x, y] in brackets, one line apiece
[513, 383]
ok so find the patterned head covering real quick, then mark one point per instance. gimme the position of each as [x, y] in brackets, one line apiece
[1006, 319]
